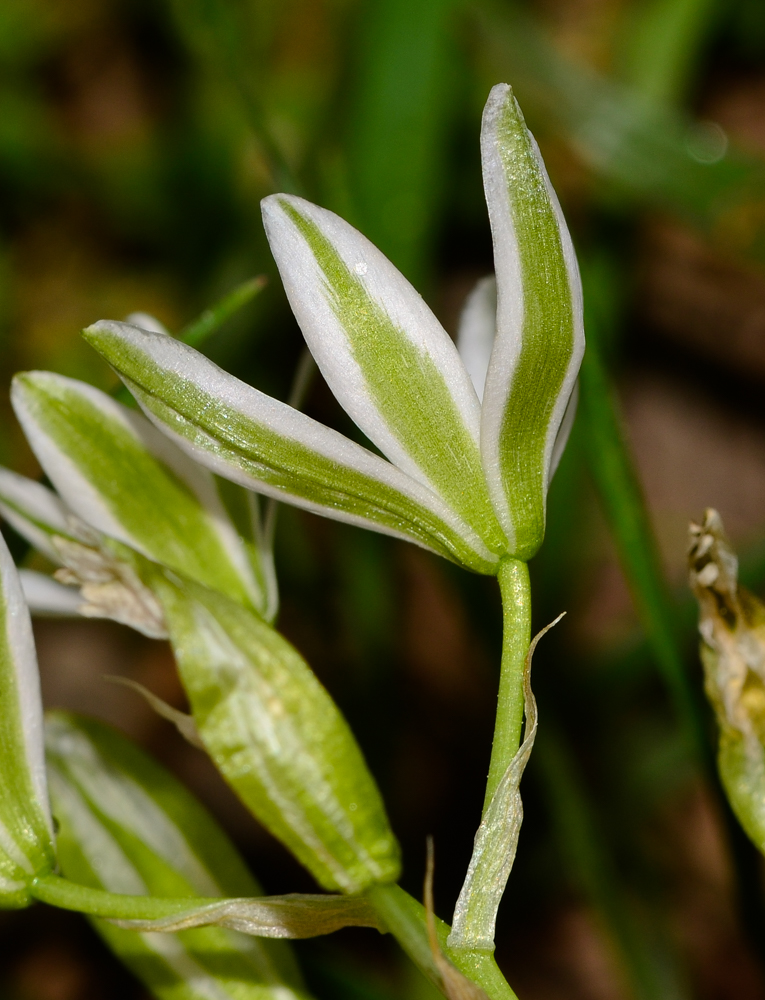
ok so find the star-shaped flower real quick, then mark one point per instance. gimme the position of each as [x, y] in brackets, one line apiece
[463, 477]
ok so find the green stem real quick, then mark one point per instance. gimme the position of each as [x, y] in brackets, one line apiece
[66, 895]
[513, 578]
[514, 586]
[405, 919]
[199, 329]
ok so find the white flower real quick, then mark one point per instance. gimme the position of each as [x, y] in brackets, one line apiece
[463, 477]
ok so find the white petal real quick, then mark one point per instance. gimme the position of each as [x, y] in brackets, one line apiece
[311, 301]
[34, 511]
[57, 441]
[383, 353]
[266, 445]
[46, 597]
[147, 322]
[20, 649]
[478, 326]
[540, 333]
[564, 430]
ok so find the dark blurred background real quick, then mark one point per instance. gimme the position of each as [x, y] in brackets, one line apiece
[136, 140]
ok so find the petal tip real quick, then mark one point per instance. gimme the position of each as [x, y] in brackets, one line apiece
[103, 326]
[499, 91]
[22, 385]
[274, 204]
[92, 334]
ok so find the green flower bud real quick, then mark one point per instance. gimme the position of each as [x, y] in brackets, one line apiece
[26, 830]
[277, 737]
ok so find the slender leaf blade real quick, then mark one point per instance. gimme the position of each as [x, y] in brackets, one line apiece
[204, 326]
[401, 109]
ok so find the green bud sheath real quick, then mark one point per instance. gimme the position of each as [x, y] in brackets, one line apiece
[26, 833]
[278, 738]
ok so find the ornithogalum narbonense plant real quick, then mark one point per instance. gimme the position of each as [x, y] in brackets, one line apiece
[158, 527]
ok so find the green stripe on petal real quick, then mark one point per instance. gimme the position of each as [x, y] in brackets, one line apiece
[128, 826]
[26, 838]
[384, 355]
[123, 477]
[540, 335]
[264, 444]
[243, 508]
[278, 738]
[37, 514]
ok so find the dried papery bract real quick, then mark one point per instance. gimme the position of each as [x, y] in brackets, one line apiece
[106, 585]
[290, 917]
[496, 840]
[109, 586]
[732, 627]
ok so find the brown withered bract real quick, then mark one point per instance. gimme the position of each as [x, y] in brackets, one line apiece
[732, 627]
